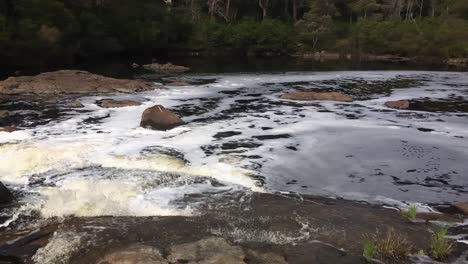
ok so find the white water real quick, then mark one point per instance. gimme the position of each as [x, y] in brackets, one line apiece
[114, 167]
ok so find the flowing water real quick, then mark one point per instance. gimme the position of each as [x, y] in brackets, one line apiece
[240, 137]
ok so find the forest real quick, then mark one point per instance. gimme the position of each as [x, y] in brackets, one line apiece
[41, 32]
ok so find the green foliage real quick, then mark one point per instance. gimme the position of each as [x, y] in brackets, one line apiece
[412, 212]
[441, 247]
[370, 250]
[390, 246]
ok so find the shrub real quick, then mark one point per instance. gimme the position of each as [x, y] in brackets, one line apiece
[441, 247]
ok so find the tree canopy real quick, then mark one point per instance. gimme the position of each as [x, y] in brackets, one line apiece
[44, 31]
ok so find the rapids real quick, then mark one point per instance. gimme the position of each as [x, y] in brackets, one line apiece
[240, 137]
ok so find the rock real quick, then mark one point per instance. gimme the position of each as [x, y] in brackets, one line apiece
[178, 84]
[310, 96]
[427, 216]
[71, 82]
[159, 118]
[135, 65]
[265, 258]
[75, 104]
[461, 207]
[458, 62]
[5, 117]
[400, 104]
[135, 254]
[5, 195]
[165, 68]
[111, 103]
[205, 251]
[8, 129]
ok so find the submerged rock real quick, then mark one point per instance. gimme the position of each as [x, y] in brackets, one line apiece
[440, 217]
[159, 118]
[111, 103]
[312, 96]
[135, 254]
[209, 250]
[5, 195]
[400, 104]
[179, 84]
[71, 82]
[165, 68]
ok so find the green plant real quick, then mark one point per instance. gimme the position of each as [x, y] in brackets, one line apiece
[441, 247]
[390, 246]
[412, 212]
[370, 250]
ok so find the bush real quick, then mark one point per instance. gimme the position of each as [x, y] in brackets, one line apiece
[441, 247]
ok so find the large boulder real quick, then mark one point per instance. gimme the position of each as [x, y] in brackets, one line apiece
[111, 103]
[312, 96]
[400, 104]
[71, 82]
[159, 118]
[165, 68]
[5, 195]
[209, 250]
[135, 254]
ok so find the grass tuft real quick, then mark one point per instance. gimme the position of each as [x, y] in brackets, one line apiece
[441, 247]
[370, 250]
[412, 212]
[389, 246]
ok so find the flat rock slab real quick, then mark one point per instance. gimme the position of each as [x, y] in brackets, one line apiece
[179, 84]
[400, 104]
[165, 68]
[71, 82]
[461, 207]
[313, 96]
[111, 103]
[135, 254]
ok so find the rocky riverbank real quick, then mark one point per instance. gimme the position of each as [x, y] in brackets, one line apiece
[263, 228]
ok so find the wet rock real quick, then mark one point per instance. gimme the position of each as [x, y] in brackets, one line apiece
[265, 258]
[400, 104]
[111, 103]
[427, 216]
[312, 96]
[458, 62]
[461, 207]
[165, 68]
[74, 104]
[209, 250]
[135, 65]
[5, 195]
[71, 82]
[135, 254]
[8, 129]
[159, 118]
[5, 117]
[179, 84]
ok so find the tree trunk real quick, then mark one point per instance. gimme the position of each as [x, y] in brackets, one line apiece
[264, 6]
[294, 10]
[226, 12]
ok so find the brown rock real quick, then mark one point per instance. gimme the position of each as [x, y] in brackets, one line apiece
[164, 68]
[400, 104]
[8, 129]
[75, 104]
[310, 96]
[266, 258]
[71, 82]
[205, 251]
[438, 217]
[159, 118]
[111, 103]
[135, 254]
[5, 114]
[461, 207]
[179, 84]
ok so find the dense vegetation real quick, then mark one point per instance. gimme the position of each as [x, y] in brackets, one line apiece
[45, 31]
